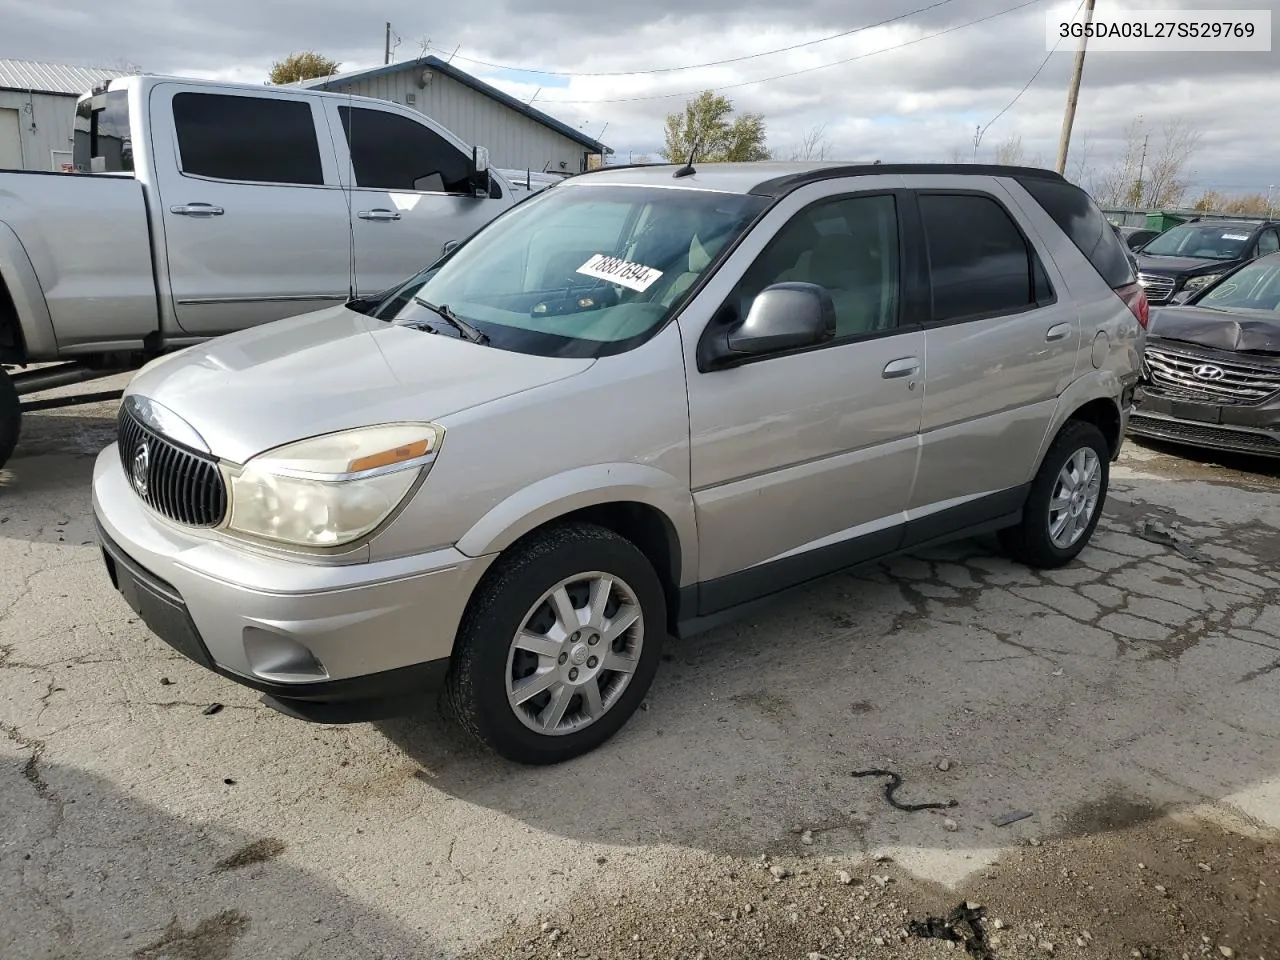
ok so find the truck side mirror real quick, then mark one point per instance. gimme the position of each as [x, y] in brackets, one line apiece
[479, 175]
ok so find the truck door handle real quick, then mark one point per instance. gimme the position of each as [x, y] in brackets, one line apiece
[381, 214]
[906, 367]
[1058, 331]
[196, 210]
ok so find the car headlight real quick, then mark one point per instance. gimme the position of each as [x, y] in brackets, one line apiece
[1200, 282]
[331, 489]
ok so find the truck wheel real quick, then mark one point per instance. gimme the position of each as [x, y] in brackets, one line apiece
[10, 416]
[1065, 502]
[559, 645]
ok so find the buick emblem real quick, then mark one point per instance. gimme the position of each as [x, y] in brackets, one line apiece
[141, 468]
[1207, 371]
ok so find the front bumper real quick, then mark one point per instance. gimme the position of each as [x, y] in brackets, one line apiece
[325, 642]
[1239, 429]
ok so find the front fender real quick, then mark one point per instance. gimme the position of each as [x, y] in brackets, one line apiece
[18, 276]
[582, 487]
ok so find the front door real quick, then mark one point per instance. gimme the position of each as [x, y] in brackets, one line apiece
[1002, 343]
[411, 194]
[803, 462]
[255, 220]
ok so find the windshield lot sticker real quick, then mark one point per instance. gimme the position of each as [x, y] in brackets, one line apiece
[635, 276]
[1235, 236]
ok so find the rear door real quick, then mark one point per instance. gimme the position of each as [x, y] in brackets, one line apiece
[1001, 344]
[255, 220]
[410, 191]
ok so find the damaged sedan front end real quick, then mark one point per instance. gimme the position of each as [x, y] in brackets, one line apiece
[1211, 370]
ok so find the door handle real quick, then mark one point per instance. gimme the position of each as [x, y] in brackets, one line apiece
[906, 367]
[1059, 331]
[380, 215]
[196, 210]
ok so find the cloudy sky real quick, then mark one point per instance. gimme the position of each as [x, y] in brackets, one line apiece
[914, 89]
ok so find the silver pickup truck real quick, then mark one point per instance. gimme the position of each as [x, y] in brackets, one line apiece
[200, 208]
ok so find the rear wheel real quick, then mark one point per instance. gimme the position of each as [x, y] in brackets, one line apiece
[559, 646]
[1065, 501]
[10, 416]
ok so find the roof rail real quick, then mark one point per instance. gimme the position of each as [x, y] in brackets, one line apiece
[785, 184]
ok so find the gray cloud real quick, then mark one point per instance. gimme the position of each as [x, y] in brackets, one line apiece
[919, 102]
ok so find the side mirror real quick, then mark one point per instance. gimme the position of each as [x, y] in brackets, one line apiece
[782, 317]
[479, 171]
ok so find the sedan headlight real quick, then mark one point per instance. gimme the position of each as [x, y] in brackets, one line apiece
[1200, 282]
[332, 489]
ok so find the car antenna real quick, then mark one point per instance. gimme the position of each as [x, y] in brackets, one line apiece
[687, 170]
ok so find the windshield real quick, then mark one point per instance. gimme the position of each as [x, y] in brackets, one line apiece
[1254, 288]
[1206, 240]
[579, 271]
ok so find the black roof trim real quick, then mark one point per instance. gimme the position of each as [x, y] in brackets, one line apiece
[779, 186]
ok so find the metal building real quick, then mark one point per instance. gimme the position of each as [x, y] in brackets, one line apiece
[38, 111]
[517, 136]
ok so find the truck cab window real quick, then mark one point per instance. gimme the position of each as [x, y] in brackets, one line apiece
[393, 152]
[248, 139]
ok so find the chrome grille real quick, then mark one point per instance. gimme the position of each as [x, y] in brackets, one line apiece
[1173, 374]
[181, 484]
[1158, 288]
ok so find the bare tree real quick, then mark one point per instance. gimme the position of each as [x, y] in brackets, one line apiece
[1166, 184]
[1010, 152]
[960, 155]
[814, 145]
[1150, 172]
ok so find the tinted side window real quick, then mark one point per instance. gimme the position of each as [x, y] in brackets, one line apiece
[1079, 218]
[979, 262]
[256, 139]
[391, 152]
[1268, 242]
[848, 246]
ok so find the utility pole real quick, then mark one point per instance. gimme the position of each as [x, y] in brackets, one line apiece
[386, 57]
[1142, 168]
[1073, 91]
[977, 139]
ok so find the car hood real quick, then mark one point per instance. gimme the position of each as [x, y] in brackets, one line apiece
[1216, 329]
[1171, 266]
[332, 370]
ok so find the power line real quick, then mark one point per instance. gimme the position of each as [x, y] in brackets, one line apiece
[1043, 63]
[710, 63]
[796, 73]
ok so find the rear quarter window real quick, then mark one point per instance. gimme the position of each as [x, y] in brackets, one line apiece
[1079, 218]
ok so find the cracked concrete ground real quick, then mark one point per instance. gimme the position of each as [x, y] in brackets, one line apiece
[1128, 702]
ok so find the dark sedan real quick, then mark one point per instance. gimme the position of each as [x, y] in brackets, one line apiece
[1211, 371]
[1186, 259]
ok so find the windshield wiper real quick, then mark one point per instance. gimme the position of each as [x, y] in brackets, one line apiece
[465, 328]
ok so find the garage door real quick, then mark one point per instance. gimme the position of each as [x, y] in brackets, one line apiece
[10, 141]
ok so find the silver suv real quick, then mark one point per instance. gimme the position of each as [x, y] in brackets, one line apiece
[628, 407]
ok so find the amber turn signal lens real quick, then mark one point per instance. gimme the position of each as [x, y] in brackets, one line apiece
[408, 451]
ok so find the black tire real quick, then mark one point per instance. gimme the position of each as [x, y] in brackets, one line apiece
[10, 417]
[477, 677]
[1030, 541]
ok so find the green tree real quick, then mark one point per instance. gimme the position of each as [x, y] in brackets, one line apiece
[708, 119]
[302, 66]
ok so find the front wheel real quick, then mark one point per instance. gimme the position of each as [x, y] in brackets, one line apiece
[559, 645]
[10, 416]
[1065, 501]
